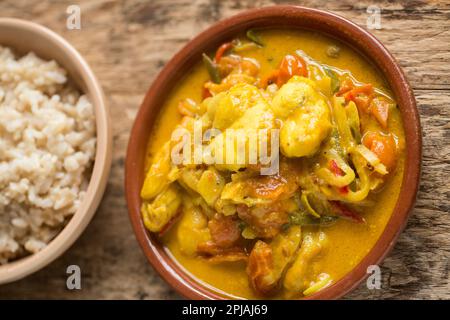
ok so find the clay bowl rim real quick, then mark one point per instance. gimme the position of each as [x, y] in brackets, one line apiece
[273, 16]
[83, 76]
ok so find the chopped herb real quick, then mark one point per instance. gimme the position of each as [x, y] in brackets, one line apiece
[285, 227]
[242, 225]
[307, 206]
[251, 35]
[303, 219]
[335, 83]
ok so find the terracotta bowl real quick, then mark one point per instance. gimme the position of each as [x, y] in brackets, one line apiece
[23, 37]
[276, 16]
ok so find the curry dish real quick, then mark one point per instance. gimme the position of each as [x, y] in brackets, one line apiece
[340, 159]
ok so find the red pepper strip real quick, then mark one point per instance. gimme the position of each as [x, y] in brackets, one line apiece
[206, 93]
[343, 190]
[222, 49]
[338, 172]
[341, 210]
[335, 168]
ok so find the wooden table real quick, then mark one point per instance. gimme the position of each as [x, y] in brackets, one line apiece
[128, 42]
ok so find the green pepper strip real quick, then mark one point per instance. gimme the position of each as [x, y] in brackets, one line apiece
[213, 71]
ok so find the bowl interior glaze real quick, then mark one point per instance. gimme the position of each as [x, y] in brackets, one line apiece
[275, 16]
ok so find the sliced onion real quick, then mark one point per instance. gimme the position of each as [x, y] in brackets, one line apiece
[372, 159]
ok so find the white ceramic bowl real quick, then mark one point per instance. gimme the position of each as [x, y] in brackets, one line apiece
[23, 37]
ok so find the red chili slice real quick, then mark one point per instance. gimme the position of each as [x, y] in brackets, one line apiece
[343, 211]
[338, 172]
[222, 49]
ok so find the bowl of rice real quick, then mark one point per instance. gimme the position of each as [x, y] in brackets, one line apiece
[55, 147]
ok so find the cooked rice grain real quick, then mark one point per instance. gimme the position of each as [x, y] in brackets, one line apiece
[47, 147]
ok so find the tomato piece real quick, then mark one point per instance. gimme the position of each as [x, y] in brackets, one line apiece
[222, 49]
[361, 96]
[383, 146]
[290, 66]
[366, 89]
[269, 79]
[346, 86]
[206, 93]
[362, 102]
[380, 110]
[249, 67]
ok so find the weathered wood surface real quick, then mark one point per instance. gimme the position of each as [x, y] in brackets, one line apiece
[128, 42]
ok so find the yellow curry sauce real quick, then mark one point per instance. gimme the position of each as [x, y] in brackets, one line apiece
[347, 242]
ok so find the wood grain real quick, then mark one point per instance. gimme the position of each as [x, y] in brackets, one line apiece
[127, 43]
